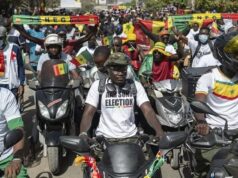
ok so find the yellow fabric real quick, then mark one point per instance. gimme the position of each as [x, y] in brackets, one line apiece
[160, 47]
[232, 46]
[226, 90]
[176, 73]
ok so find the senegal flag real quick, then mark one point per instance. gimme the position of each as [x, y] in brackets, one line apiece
[60, 69]
[83, 58]
[153, 26]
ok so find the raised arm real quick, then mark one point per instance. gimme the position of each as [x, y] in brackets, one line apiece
[152, 36]
[23, 32]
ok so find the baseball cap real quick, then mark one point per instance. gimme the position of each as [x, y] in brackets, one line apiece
[3, 31]
[117, 58]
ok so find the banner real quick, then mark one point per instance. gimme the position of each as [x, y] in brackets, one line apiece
[50, 20]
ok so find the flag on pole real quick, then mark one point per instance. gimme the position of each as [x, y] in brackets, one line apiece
[84, 58]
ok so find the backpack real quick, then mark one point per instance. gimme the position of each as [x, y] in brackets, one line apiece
[198, 48]
[102, 86]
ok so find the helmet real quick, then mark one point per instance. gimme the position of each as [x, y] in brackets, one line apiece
[53, 39]
[226, 50]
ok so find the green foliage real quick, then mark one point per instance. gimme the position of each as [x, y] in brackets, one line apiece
[218, 5]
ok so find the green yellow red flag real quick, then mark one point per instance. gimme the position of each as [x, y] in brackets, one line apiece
[60, 69]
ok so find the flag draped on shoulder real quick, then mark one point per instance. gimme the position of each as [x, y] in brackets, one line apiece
[83, 58]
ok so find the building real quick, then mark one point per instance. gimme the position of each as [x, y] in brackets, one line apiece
[111, 2]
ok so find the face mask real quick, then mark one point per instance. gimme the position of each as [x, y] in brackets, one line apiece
[203, 38]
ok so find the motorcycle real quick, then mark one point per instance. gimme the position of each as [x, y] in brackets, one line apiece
[10, 139]
[120, 160]
[225, 161]
[172, 110]
[55, 106]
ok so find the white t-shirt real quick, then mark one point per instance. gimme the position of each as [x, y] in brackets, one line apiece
[207, 60]
[65, 57]
[204, 51]
[170, 49]
[10, 118]
[117, 118]
[222, 97]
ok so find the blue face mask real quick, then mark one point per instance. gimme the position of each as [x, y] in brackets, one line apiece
[203, 38]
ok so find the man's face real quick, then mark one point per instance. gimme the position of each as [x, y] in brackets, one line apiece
[195, 27]
[54, 50]
[117, 46]
[92, 42]
[117, 74]
[157, 56]
[165, 39]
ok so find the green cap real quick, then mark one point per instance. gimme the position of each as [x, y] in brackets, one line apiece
[117, 58]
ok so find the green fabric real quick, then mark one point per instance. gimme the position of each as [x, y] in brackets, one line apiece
[15, 123]
[146, 65]
[4, 163]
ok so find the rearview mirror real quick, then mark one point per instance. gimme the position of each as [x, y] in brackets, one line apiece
[201, 107]
[172, 139]
[75, 143]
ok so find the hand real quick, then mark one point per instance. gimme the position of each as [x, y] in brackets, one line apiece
[21, 90]
[13, 169]
[202, 128]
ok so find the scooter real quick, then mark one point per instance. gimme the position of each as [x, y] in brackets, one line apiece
[122, 160]
[172, 110]
[55, 104]
[10, 139]
[225, 161]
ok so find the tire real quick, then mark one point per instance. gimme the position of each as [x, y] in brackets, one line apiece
[54, 157]
[175, 159]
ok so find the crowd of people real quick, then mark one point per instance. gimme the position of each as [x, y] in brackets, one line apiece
[120, 71]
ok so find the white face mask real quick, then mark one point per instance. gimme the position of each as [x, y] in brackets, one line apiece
[203, 38]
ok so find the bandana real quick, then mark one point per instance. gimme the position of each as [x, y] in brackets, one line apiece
[2, 65]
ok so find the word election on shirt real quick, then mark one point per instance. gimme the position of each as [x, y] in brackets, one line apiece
[119, 100]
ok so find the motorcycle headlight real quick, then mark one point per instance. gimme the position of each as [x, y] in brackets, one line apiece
[43, 110]
[62, 109]
[174, 118]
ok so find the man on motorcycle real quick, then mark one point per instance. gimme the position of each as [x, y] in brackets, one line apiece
[10, 118]
[116, 101]
[219, 89]
[53, 45]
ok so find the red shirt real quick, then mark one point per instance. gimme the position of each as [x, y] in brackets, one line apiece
[162, 71]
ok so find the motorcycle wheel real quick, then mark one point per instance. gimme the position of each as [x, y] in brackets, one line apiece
[175, 159]
[54, 156]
